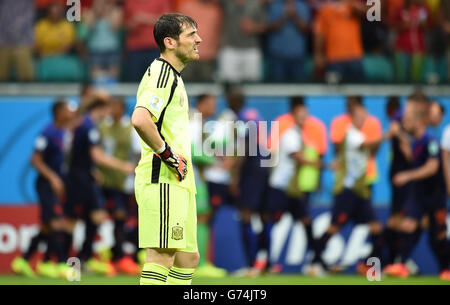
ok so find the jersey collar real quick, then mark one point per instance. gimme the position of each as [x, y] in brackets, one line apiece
[174, 70]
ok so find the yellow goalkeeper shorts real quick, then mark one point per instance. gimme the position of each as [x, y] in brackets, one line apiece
[167, 217]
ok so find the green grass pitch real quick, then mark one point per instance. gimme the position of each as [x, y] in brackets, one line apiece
[283, 279]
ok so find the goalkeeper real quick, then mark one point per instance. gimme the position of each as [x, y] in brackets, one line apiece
[164, 183]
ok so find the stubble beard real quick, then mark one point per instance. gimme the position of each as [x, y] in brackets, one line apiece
[184, 58]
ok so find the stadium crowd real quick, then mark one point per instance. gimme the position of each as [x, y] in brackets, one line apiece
[86, 157]
[243, 40]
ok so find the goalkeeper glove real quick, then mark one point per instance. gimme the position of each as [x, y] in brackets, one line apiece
[175, 161]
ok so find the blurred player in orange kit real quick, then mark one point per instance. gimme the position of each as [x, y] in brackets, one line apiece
[304, 162]
[371, 129]
[352, 194]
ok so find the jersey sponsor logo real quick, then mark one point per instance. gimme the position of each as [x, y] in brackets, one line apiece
[177, 233]
[156, 102]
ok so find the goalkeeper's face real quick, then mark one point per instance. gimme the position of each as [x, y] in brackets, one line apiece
[187, 44]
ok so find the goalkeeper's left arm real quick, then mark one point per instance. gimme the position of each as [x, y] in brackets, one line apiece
[147, 130]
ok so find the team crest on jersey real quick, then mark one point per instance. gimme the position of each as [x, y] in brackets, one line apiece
[156, 102]
[177, 233]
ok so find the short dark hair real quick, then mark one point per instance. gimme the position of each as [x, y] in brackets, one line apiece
[392, 106]
[297, 101]
[96, 103]
[57, 106]
[202, 97]
[235, 97]
[119, 100]
[170, 25]
[442, 108]
[419, 96]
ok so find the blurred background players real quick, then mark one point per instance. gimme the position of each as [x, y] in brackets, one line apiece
[445, 148]
[398, 163]
[84, 199]
[276, 201]
[371, 129]
[352, 194]
[119, 140]
[249, 180]
[427, 195]
[292, 192]
[204, 110]
[50, 160]
[218, 174]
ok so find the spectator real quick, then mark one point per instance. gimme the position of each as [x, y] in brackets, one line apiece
[208, 15]
[102, 26]
[178, 4]
[337, 41]
[140, 17]
[16, 39]
[392, 8]
[445, 25]
[435, 60]
[409, 24]
[54, 34]
[287, 39]
[241, 58]
[43, 5]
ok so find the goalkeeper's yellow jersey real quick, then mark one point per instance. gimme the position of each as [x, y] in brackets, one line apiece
[162, 92]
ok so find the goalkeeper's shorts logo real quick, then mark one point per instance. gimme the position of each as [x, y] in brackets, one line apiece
[177, 233]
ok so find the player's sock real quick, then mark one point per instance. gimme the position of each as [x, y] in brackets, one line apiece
[391, 238]
[154, 274]
[407, 245]
[55, 244]
[202, 240]
[377, 245]
[264, 245]
[180, 276]
[441, 248]
[246, 231]
[264, 237]
[67, 243]
[320, 246]
[86, 251]
[50, 247]
[119, 237]
[309, 235]
[33, 245]
[59, 248]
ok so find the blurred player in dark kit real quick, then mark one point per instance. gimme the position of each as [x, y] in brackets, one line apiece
[398, 163]
[249, 185]
[49, 159]
[84, 200]
[427, 195]
[218, 174]
[204, 110]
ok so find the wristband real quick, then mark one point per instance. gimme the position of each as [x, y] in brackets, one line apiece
[161, 149]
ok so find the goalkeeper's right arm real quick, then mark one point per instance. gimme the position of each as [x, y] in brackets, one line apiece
[147, 130]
